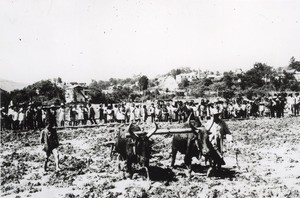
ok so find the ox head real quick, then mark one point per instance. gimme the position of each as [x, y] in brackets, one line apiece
[201, 137]
[142, 144]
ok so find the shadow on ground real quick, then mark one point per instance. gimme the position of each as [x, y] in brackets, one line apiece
[159, 174]
[223, 173]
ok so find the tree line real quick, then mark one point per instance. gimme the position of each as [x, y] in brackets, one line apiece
[258, 80]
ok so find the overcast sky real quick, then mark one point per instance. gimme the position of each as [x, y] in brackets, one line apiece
[80, 40]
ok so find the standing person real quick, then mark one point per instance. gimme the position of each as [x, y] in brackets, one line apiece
[15, 118]
[85, 114]
[92, 114]
[101, 113]
[52, 116]
[290, 104]
[73, 113]
[261, 109]
[219, 131]
[105, 113]
[158, 113]
[110, 114]
[170, 112]
[152, 112]
[180, 112]
[121, 111]
[131, 113]
[10, 113]
[144, 113]
[21, 118]
[4, 118]
[49, 139]
[80, 116]
[44, 116]
[39, 118]
[29, 115]
[297, 104]
[137, 113]
[165, 113]
[61, 115]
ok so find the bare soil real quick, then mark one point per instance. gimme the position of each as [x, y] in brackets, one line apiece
[263, 161]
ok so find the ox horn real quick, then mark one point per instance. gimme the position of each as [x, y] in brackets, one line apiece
[152, 132]
[132, 134]
[189, 118]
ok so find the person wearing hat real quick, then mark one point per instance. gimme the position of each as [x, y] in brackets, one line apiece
[218, 131]
[49, 139]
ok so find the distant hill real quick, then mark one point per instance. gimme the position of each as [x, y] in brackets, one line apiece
[8, 85]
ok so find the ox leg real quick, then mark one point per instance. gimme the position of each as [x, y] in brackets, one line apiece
[129, 168]
[188, 163]
[174, 152]
[211, 167]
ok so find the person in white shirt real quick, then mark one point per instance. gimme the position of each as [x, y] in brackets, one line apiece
[61, 115]
[21, 118]
[15, 118]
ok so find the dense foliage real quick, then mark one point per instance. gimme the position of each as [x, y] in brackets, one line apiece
[43, 91]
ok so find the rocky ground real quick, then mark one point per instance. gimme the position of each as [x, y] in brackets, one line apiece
[263, 161]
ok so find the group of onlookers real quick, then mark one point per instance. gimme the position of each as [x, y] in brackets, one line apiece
[36, 116]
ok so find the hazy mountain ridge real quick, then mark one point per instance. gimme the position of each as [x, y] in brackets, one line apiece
[9, 85]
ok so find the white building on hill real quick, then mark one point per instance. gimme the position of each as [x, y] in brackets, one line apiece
[189, 76]
[76, 92]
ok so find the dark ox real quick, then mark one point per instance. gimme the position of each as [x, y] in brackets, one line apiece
[136, 148]
[196, 144]
[192, 145]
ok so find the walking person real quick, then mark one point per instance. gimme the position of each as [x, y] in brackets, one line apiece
[49, 139]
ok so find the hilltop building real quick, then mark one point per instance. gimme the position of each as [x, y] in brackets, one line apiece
[189, 76]
[76, 92]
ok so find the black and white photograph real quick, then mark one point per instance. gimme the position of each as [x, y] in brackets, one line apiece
[150, 98]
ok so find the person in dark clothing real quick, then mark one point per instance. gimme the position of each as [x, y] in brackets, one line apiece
[282, 105]
[39, 118]
[52, 116]
[49, 139]
[30, 117]
[73, 113]
[101, 114]
[92, 114]
[4, 119]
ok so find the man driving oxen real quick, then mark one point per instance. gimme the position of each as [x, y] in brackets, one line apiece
[218, 132]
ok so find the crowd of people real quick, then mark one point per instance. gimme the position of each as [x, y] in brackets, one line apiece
[35, 117]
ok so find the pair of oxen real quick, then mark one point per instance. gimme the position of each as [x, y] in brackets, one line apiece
[136, 148]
